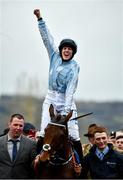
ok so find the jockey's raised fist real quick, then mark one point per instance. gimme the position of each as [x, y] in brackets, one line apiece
[37, 13]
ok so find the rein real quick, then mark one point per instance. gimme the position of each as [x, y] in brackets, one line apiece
[64, 163]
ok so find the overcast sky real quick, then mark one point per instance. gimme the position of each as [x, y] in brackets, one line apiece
[96, 26]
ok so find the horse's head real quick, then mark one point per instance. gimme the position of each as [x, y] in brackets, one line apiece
[56, 134]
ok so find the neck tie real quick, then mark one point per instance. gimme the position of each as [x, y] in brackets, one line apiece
[14, 150]
[101, 155]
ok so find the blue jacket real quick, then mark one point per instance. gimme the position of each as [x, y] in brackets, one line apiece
[111, 167]
[63, 76]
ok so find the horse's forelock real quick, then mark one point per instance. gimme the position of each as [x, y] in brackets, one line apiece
[58, 118]
[62, 120]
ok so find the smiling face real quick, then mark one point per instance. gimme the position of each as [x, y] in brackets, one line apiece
[16, 127]
[66, 53]
[101, 140]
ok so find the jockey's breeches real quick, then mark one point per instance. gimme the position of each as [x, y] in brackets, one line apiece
[58, 101]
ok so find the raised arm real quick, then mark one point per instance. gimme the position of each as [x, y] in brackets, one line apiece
[45, 34]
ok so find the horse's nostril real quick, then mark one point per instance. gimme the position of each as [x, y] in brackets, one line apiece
[46, 147]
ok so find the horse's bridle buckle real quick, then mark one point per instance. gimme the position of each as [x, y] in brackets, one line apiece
[46, 147]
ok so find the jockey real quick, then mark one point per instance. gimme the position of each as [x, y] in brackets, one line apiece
[63, 80]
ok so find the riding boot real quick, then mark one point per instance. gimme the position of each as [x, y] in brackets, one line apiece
[78, 148]
[40, 144]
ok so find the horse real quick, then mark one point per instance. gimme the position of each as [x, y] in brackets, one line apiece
[56, 160]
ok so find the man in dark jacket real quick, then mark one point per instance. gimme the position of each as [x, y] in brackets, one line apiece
[17, 152]
[102, 162]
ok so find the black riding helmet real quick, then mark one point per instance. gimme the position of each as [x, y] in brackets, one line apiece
[69, 43]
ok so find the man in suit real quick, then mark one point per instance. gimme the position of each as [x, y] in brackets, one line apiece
[21, 166]
[102, 161]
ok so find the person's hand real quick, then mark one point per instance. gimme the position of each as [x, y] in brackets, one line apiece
[37, 13]
[31, 137]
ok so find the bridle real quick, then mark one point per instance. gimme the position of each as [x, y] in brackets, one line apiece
[61, 163]
[56, 124]
[47, 147]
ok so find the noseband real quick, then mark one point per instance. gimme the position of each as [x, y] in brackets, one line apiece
[47, 147]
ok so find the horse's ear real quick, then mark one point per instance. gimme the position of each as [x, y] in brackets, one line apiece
[51, 111]
[69, 115]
